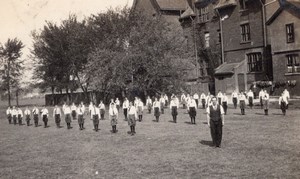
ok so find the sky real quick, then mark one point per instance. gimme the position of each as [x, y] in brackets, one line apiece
[18, 18]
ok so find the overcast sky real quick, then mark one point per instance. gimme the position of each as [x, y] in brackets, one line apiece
[19, 17]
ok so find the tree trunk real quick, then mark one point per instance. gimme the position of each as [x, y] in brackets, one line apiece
[17, 97]
[8, 82]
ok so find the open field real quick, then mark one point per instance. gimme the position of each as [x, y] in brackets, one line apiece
[253, 146]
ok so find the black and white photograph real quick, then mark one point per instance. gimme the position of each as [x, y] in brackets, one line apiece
[149, 89]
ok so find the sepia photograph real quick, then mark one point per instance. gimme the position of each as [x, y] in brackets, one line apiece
[149, 89]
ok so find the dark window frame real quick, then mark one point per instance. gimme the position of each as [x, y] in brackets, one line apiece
[290, 33]
[255, 62]
[203, 14]
[245, 32]
[293, 63]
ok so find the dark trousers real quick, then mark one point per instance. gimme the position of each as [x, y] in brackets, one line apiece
[125, 113]
[15, 120]
[20, 120]
[45, 120]
[197, 102]
[283, 107]
[36, 119]
[224, 104]
[234, 100]
[203, 103]
[216, 132]
[9, 118]
[251, 102]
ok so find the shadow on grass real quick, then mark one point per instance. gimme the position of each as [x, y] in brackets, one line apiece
[204, 122]
[154, 120]
[262, 114]
[277, 114]
[206, 142]
[188, 123]
[171, 121]
[237, 114]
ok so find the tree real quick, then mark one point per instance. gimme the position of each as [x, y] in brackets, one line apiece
[60, 53]
[12, 65]
[138, 53]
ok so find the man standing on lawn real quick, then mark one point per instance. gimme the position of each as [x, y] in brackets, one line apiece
[27, 114]
[14, 113]
[45, 114]
[35, 112]
[8, 113]
[57, 116]
[215, 120]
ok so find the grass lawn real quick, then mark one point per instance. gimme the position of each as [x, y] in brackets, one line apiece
[253, 146]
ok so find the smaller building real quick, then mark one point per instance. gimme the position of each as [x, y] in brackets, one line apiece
[284, 37]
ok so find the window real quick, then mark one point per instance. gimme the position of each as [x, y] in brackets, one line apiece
[243, 4]
[290, 37]
[245, 33]
[206, 38]
[203, 17]
[254, 62]
[293, 63]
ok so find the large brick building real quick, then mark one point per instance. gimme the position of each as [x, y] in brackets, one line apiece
[247, 58]
[283, 25]
[238, 42]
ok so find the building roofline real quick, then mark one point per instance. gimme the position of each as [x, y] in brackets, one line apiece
[287, 6]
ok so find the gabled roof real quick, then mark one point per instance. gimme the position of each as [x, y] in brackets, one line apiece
[226, 69]
[225, 3]
[188, 13]
[291, 6]
[172, 4]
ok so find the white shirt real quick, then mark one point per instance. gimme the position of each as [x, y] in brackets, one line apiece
[56, 111]
[266, 96]
[283, 98]
[203, 96]
[67, 110]
[234, 94]
[93, 111]
[192, 103]
[14, 112]
[220, 95]
[286, 93]
[149, 101]
[20, 112]
[132, 111]
[261, 93]
[225, 98]
[101, 106]
[250, 94]
[196, 96]
[80, 111]
[156, 104]
[140, 104]
[117, 102]
[8, 111]
[182, 98]
[35, 111]
[27, 112]
[242, 97]
[90, 107]
[73, 108]
[166, 98]
[45, 112]
[173, 103]
[162, 100]
[113, 111]
[125, 104]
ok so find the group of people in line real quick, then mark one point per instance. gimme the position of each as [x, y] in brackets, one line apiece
[216, 108]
